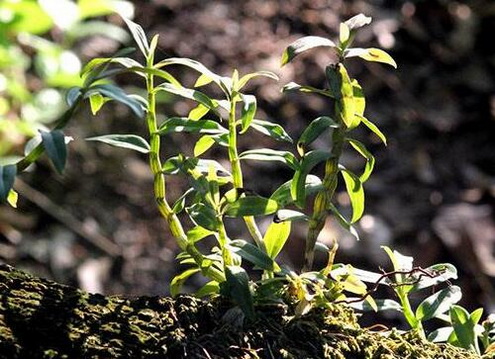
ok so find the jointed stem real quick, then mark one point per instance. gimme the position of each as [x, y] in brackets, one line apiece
[237, 175]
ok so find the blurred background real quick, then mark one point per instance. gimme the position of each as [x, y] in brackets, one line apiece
[432, 194]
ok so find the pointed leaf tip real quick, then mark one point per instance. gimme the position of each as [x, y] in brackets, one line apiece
[304, 44]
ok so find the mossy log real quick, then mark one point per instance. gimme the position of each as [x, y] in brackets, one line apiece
[43, 319]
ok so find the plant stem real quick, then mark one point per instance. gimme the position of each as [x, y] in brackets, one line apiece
[409, 315]
[159, 185]
[237, 175]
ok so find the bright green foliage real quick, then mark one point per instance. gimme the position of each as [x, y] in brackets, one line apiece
[217, 193]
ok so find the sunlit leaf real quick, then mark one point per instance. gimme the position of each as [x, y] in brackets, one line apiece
[96, 101]
[116, 93]
[440, 273]
[271, 129]
[358, 21]
[139, 36]
[248, 111]
[381, 305]
[12, 198]
[438, 303]
[275, 237]
[344, 33]
[203, 80]
[131, 142]
[371, 54]
[303, 44]
[440, 335]
[370, 159]
[374, 129]
[7, 177]
[203, 145]
[266, 154]
[464, 327]
[344, 222]
[212, 287]
[188, 94]
[251, 206]
[178, 280]
[292, 86]
[54, 144]
[197, 233]
[246, 78]
[183, 124]
[198, 112]
[289, 215]
[355, 191]
[204, 215]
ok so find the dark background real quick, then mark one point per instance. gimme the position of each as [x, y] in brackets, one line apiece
[431, 195]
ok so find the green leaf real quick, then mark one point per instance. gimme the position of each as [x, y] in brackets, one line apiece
[371, 54]
[250, 206]
[374, 129]
[283, 196]
[204, 215]
[246, 78]
[271, 129]
[96, 66]
[248, 111]
[180, 203]
[266, 154]
[12, 198]
[308, 162]
[313, 130]
[179, 279]
[358, 21]
[344, 222]
[347, 104]
[275, 237]
[381, 305]
[440, 273]
[156, 72]
[359, 99]
[292, 86]
[355, 191]
[131, 142]
[54, 144]
[288, 215]
[198, 112]
[212, 287]
[253, 254]
[438, 303]
[190, 94]
[202, 145]
[197, 233]
[7, 177]
[440, 335]
[370, 160]
[344, 33]
[183, 124]
[202, 80]
[303, 44]
[237, 288]
[96, 101]
[117, 94]
[464, 327]
[139, 36]
[195, 65]
[73, 95]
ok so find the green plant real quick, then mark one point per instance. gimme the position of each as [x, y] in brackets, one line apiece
[216, 193]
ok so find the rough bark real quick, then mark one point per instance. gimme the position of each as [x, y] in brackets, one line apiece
[43, 319]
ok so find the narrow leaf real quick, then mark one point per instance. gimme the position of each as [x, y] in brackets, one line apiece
[271, 129]
[358, 21]
[96, 101]
[246, 78]
[139, 36]
[371, 54]
[438, 303]
[203, 145]
[204, 216]
[188, 94]
[374, 129]
[344, 33]
[344, 222]
[54, 144]
[313, 130]
[7, 177]
[440, 273]
[266, 154]
[203, 80]
[198, 112]
[178, 280]
[237, 287]
[251, 206]
[283, 196]
[355, 191]
[131, 142]
[253, 254]
[288, 215]
[197, 233]
[275, 237]
[248, 111]
[73, 95]
[292, 86]
[370, 159]
[12, 198]
[117, 94]
[209, 288]
[183, 124]
[304, 44]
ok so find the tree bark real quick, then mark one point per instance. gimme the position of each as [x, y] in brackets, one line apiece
[43, 319]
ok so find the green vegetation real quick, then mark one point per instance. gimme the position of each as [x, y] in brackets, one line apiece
[217, 193]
